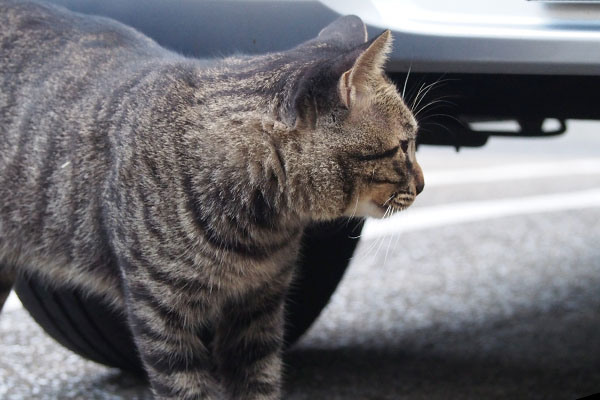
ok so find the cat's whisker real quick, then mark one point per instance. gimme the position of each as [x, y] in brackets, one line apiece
[414, 102]
[360, 220]
[380, 240]
[422, 94]
[388, 248]
[371, 249]
[352, 215]
[445, 99]
[452, 117]
[368, 251]
[372, 175]
[441, 80]
[437, 101]
[409, 99]
[388, 212]
[440, 100]
[425, 91]
[355, 207]
[444, 127]
[389, 199]
[406, 82]
[427, 115]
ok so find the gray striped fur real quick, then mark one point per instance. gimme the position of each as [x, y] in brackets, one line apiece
[179, 191]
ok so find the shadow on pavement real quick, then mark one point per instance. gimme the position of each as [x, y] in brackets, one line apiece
[555, 354]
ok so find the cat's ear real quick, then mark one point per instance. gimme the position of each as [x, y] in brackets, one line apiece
[342, 51]
[368, 67]
[345, 32]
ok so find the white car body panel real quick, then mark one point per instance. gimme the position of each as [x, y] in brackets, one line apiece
[471, 36]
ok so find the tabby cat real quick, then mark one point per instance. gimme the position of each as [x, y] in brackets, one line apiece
[179, 191]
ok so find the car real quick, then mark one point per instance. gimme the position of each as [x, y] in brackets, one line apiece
[460, 65]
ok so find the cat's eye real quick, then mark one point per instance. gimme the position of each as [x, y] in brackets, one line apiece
[404, 145]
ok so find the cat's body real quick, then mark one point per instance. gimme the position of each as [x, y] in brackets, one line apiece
[179, 192]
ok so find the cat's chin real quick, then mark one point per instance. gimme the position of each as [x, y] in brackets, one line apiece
[370, 208]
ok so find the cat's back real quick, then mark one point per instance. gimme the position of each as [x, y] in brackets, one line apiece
[60, 76]
[34, 34]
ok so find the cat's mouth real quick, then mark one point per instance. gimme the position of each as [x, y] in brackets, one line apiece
[397, 202]
[379, 208]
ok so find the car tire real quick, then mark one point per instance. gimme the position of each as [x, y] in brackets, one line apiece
[87, 326]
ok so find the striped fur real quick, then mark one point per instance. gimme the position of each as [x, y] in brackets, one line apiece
[179, 191]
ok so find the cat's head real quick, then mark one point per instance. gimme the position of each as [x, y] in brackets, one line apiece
[365, 162]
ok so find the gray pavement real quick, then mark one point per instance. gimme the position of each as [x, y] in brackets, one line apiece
[505, 307]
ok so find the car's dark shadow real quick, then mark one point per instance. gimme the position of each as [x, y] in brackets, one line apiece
[554, 354]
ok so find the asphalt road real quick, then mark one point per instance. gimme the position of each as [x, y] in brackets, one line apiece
[488, 287]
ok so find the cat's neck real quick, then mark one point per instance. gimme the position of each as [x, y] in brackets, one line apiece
[264, 84]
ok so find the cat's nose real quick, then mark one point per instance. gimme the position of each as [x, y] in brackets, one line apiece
[418, 177]
[420, 185]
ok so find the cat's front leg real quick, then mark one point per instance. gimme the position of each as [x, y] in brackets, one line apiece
[248, 344]
[168, 336]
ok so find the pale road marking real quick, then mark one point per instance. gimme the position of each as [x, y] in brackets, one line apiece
[448, 214]
[509, 172]
[12, 303]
